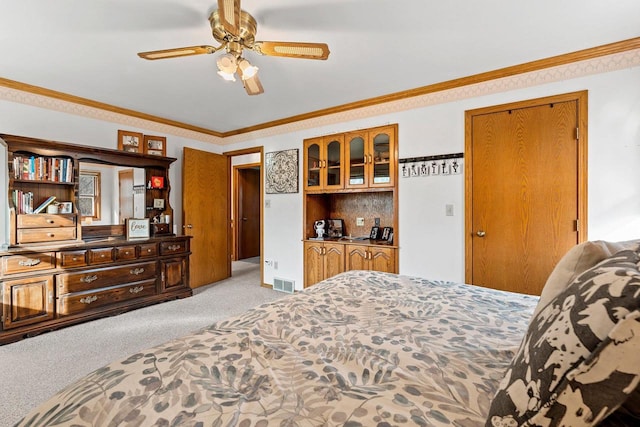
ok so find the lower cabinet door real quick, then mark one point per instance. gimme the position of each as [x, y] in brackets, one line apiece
[27, 301]
[313, 263]
[357, 257]
[333, 259]
[175, 274]
[383, 259]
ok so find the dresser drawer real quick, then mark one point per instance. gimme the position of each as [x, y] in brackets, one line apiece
[31, 262]
[174, 247]
[125, 252]
[37, 235]
[77, 303]
[148, 249]
[100, 255]
[46, 220]
[99, 278]
[69, 259]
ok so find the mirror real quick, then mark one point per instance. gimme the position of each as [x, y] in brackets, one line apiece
[109, 193]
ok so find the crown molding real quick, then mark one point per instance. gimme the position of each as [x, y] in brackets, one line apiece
[600, 59]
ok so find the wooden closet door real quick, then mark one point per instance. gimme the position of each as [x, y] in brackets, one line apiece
[206, 215]
[524, 194]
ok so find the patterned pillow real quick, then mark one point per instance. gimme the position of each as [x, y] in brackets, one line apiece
[578, 361]
[576, 261]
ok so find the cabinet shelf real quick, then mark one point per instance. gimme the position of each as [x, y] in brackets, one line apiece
[39, 181]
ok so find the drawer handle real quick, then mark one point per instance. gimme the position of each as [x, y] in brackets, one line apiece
[136, 271]
[126, 252]
[102, 255]
[50, 221]
[174, 247]
[89, 279]
[148, 250]
[51, 235]
[88, 300]
[136, 290]
[29, 262]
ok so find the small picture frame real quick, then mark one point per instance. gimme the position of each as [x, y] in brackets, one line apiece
[158, 203]
[156, 182]
[387, 234]
[137, 228]
[375, 233]
[65, 207]
[155, 145]
[128, 141]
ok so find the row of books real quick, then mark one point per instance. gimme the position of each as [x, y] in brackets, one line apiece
[23, 201]
[57, 169]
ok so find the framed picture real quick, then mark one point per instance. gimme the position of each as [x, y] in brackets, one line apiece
[334, 227]
[158, 203]
[137, 228]
[65, 207]
[130, 142]
[375, 233]
[387, 234]
[157, 182]
[155, 145]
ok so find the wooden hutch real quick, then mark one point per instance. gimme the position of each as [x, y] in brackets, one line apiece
[353, 177]
[57, 271]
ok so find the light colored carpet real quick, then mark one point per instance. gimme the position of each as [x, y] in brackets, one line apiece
[35, 368]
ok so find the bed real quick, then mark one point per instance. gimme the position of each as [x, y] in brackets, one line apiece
[359, 349]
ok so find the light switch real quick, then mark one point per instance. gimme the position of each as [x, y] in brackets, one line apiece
[449, 210]
[359, 222]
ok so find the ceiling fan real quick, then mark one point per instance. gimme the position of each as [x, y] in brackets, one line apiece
[235, 30]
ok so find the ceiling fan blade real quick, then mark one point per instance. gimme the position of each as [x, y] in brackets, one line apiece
[229, 11]
[180, 51]
[293, 49]
[252, 85]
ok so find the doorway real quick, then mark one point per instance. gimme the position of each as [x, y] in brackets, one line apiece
[246, 211]
[246, 189]
[525, 189]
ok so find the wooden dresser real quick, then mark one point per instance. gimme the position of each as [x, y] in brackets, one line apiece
[50, 287]
[60, 269]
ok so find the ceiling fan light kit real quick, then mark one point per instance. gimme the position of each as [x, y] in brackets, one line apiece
[235, 30]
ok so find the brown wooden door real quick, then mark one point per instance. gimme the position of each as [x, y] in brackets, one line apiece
[206, 213]
[125, 187]
[523, 202]
[248, 220]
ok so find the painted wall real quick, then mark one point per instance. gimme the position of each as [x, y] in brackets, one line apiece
[432, 244]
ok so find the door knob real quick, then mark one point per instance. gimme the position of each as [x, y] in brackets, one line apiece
[245, 219]
[187, 226]
[480, 233]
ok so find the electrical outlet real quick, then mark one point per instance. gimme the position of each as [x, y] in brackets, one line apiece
[376, 222]
[360, 222]
[268, 262]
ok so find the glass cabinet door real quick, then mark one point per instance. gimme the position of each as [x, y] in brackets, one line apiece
[313, 166]
[356, 158]
[383, 157]
[333, 164]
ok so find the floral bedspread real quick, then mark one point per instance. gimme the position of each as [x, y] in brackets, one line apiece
[359, 349]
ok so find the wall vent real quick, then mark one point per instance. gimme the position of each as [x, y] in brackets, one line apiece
[283, 285]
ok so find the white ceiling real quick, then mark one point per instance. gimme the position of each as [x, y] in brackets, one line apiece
[87, 48]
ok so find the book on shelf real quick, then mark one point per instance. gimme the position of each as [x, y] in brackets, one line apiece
[44, 205]
[55, 169]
